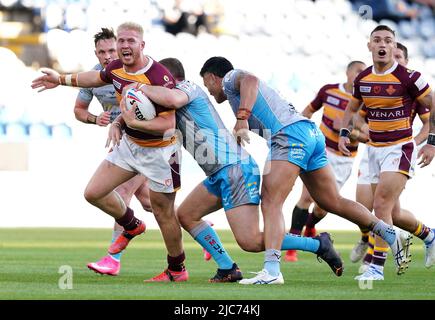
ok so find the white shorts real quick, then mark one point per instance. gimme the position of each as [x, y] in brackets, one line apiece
[160, 165]
[396, 158]
[342, 167]
[363, 170]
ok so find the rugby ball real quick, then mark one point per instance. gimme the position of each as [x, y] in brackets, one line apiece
[145, 108]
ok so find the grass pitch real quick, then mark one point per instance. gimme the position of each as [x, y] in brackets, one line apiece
[32, 258]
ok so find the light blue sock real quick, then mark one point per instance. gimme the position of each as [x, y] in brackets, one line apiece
[430, 237]
[272, 260]
[115, 235]
[209, 240]
[295, 242]
[385, 231]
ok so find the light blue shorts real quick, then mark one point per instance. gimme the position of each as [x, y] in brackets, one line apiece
[301, 143]
[236, 184]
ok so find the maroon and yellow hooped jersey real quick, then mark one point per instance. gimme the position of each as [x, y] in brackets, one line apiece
[153, 73]
[389, 99]
[334, 100]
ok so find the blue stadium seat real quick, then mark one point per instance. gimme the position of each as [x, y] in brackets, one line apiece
[39, 131]
[16, 132]
[408, 29]
[61, 131]
[428, 48]
[2, 130]
[427, 28]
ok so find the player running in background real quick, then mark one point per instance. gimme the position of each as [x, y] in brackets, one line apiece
[333, 98]
[232, 181]
[105, 51]
[152, 151]
[297, 148]
[364, 195]
[388, 90]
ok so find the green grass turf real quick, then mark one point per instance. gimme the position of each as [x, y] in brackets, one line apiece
[30, 260]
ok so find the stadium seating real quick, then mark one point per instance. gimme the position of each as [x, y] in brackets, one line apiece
[296, 49]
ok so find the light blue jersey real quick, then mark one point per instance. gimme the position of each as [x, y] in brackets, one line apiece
[270, 110]
[106, 96]
[232, 174]
[294, 138]
[205, 136]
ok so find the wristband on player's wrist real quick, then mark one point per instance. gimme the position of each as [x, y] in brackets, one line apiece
[71, 80]
[91, 119]
[243, 114]
[431, 139]
[344, 132]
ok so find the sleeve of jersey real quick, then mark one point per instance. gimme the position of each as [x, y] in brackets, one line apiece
[418, 86]
[105, 75]
[422, 110]
[229, 82]
[85, 94]
[188, 88]
[363, 112]
[356, 95]
[317, 103]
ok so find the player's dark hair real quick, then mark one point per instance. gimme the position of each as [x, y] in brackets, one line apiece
[383, 27]
[404, 49]
[104, 34]
[352, 63]
[219, 66]
[175, 67]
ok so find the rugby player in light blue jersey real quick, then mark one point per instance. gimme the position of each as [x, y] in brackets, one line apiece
[232, 182]
[297, 148]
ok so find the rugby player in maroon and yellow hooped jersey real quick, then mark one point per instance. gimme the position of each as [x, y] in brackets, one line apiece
[365, 247]
[153, 153]
[388, 90]
[333, 98]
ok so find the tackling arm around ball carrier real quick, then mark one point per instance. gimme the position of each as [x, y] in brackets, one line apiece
[163, 123]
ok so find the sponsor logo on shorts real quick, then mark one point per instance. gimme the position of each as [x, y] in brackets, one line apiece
[297, 153]
[168, 182]
[225, 201]
[253, 192]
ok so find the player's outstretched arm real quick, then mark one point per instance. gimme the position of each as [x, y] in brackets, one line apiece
[51, 79]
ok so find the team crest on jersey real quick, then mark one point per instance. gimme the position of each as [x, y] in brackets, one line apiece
[390, 90]
[166, 78]
[365, 89]
[377, 89]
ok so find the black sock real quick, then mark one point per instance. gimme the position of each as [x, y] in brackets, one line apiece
[176, 263]
[299, 218]
[128, 220]
[312, 220]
